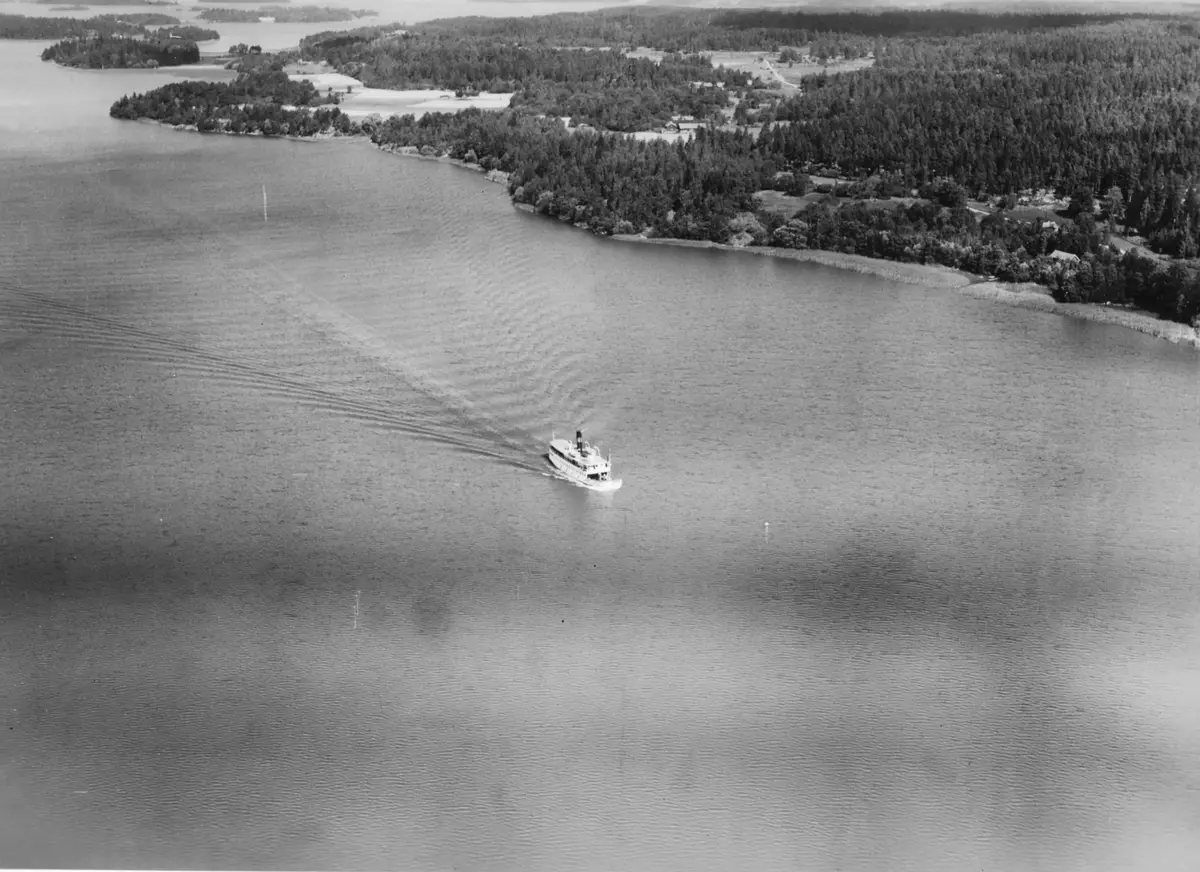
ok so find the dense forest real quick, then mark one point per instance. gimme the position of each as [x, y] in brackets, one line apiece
[1102, 110]
[143, 19]
[285, 14]
[119, 52]
[1097, 111]
[112, 2]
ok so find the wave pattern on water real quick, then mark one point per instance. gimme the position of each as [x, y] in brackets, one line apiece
[40, 313]
[501, 341]
[495, 330]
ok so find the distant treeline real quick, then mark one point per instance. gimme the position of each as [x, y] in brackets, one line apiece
[26, 27]
[102, 28]
[111, 3]
[118, 52]
[285, 14]
[143, 19]
[700, 30]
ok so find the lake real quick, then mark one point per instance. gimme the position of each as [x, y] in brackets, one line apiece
[897, 580]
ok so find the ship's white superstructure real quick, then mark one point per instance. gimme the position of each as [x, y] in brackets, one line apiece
[582, 463]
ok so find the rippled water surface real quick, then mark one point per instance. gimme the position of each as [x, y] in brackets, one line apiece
[967, 639]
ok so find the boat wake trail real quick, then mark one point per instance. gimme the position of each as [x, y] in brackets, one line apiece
[423, 414]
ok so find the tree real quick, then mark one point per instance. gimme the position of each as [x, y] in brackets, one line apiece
[1083, 201]
[1114, 206]
[946, 192]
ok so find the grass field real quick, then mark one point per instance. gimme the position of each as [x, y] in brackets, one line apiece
[763, 65]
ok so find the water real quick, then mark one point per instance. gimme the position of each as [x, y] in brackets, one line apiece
[969, 640]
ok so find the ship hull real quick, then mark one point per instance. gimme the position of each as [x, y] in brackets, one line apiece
[577, 475]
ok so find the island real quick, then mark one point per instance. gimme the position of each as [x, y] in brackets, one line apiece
[1052, 150]
[123, 52]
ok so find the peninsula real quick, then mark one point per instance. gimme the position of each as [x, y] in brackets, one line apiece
[1057, 149]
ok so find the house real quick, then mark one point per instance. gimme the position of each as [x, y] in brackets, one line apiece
[1065, 256]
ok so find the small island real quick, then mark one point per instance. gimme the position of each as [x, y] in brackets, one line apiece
[1042, 150]
[123, 52]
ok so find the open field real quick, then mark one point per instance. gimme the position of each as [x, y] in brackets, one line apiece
[358, 100]
[366, 101]
[792, 74]
[762, 65]
[786, 204]
[665, 136]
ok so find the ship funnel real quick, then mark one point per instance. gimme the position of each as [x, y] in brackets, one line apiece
[579, 439]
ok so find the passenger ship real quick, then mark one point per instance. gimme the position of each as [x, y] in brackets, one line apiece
[582, 463]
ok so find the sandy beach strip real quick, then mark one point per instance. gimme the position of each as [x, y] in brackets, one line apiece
[499, 177]
[1026, 295]
[909, 273]
[1031, 296]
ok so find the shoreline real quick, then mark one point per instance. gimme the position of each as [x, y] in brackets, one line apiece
[1023, 295]
[498, 176]
[320, 137]
[931, 275]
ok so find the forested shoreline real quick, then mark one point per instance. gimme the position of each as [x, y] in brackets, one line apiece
[1098, 109]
